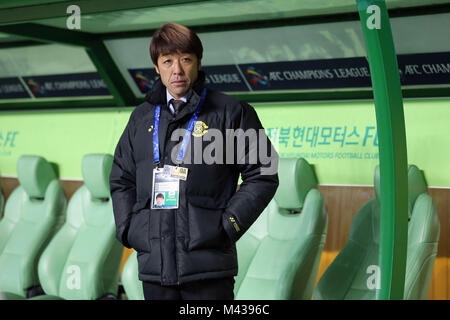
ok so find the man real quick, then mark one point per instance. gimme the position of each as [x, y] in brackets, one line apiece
[186, 250]
[159, 200]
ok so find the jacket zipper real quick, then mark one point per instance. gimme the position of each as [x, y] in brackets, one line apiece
[176, 210]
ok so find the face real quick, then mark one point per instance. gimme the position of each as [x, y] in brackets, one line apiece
[178, 72]
[159, 201]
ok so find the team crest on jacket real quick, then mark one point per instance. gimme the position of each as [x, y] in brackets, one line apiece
[200, 128]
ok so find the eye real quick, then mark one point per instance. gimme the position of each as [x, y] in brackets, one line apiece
[167, 61]
[186, 59]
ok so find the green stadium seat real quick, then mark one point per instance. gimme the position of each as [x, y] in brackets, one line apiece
[279, 255]
[34, 211]
[82, 261]
[130, 280]
[350, 275]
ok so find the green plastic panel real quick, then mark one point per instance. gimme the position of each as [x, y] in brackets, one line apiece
[336, 159]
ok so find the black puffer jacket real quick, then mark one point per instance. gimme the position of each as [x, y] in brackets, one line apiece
[197, 240]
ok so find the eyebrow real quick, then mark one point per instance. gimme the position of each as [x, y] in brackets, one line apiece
[172, 53]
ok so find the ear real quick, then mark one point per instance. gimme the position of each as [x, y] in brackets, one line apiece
[157, 69]
[199, 65]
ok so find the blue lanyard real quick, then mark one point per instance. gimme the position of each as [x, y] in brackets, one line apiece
[187, 135]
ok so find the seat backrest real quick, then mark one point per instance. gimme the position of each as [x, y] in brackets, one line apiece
[354, 273]
[280, 253]
[423, 237]
[34, 211]
[2, 202]
[83, 259]
[130, 279]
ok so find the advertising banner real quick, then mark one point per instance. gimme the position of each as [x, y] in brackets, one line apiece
[414, 69]
[311, 74]
[12, 88]
[67, 85]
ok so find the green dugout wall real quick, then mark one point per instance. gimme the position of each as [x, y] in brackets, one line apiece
[340, 138]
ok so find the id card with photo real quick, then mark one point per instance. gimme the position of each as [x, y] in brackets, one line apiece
[165, 191]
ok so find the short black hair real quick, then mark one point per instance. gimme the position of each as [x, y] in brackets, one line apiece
[159, 195]
[173, 37]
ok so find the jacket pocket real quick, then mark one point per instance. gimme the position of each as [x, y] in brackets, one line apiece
[206, 230]
[138, 236]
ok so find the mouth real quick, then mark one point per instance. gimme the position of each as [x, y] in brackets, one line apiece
[178, 82]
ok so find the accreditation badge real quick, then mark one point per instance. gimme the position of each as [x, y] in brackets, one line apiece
[165, 190]
[176, 171]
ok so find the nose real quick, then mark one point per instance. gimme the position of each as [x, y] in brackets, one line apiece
[177, 68]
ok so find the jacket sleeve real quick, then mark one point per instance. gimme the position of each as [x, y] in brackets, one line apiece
[122, 182]
[259, 175]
